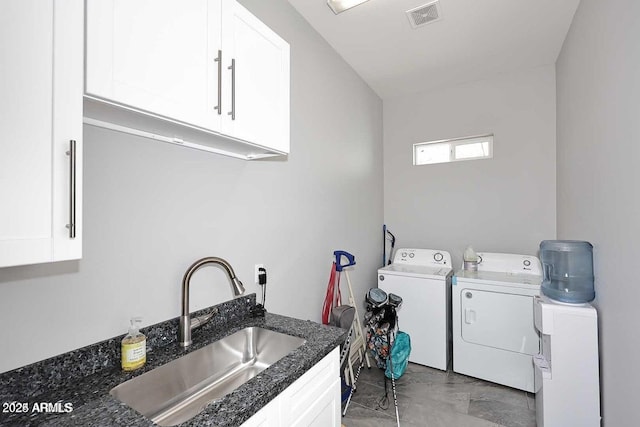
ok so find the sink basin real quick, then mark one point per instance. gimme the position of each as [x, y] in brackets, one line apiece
[176, 392]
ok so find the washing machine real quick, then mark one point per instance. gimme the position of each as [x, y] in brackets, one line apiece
[494, 336]
[422, 277]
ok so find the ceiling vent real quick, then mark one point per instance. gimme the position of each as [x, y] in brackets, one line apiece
[425, 14]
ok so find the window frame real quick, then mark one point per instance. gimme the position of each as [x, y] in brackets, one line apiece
[453, 143]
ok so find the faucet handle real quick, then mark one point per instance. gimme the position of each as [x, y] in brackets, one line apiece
[201, 320]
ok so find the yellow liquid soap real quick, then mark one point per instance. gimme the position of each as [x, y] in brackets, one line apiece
[134, 347]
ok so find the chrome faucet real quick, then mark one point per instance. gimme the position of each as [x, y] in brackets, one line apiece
[186, 323]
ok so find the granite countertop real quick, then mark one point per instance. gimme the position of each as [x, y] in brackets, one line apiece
[81, 380]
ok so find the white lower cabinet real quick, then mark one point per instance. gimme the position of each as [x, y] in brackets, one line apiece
[312, 400]
[41, 63]
[324, 411]
[268, 416]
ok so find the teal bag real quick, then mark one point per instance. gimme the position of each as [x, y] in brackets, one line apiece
[399, 357]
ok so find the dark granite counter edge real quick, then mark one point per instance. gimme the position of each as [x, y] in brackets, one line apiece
[98, 371]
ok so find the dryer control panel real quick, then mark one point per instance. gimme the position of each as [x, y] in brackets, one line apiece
[509, 263]
[426, 257]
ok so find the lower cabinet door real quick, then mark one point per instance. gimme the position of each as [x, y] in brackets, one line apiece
[312, 400]
[325, 411]
[268, 416]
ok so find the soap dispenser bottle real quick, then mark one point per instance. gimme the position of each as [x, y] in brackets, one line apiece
[134, 347]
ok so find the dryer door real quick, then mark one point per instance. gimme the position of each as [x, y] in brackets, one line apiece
[499, 320]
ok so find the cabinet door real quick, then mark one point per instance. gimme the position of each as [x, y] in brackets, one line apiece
[268, 416]
[312, 400]
[308, 400]
[41, 87]
[258, 103]
[158, 56]
[325, 411]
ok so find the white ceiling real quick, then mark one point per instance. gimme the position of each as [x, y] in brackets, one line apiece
[473, 40]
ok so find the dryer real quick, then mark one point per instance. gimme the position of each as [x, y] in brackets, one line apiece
[494, 336]
[422, 277]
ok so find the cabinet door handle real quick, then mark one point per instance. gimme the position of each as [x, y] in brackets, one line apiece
[232, 67]
[72, 189]
[219, 61]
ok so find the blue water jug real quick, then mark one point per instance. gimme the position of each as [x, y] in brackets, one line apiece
[568, 270]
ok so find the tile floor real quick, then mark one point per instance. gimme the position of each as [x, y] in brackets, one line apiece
[432, 398]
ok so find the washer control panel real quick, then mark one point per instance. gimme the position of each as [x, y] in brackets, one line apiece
[426, 257]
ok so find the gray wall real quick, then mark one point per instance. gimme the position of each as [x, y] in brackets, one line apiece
[151, 209]
[598, 90]
[504, 204]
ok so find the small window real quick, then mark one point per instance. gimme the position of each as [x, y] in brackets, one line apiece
[453, 150]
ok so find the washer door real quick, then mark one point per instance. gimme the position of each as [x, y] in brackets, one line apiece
[499, 320]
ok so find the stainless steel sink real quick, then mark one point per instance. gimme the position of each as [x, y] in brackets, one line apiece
[178, 391]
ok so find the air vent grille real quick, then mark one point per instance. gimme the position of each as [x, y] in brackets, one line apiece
[424, 14]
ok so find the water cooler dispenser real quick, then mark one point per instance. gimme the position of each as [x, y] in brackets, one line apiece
[566, 378]
[567, 266]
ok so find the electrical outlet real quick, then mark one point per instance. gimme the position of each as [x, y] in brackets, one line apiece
[255, 273]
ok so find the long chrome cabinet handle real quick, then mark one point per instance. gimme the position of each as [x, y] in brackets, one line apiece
[219, 61]
[232, 67]
[72, 189]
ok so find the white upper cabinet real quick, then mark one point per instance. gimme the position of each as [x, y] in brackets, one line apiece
[260, 81]
[202, 73]
[156, 56]
[41, 64]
